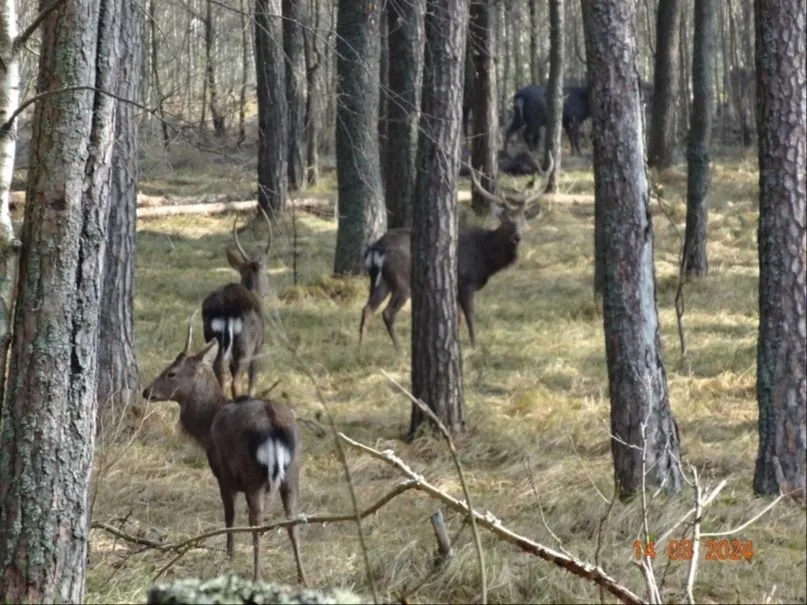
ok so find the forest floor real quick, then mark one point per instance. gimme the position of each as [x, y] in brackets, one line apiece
[537, 453]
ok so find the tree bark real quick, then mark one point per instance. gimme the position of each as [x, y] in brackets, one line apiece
[644, 435]
[436, 358]
[405, 39]
[313, 102]
[362, 214]
[294, 49]
[665, 85]
[781, 45]
[695, 259]
[48, 428]
[155, 71]
[554, 90]
[216, 115]
[482, 45]
[273, 128]
[242, 91]
[9, 244]
[117, 364]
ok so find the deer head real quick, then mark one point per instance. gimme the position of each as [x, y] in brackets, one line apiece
[252, 269]
[516, 208]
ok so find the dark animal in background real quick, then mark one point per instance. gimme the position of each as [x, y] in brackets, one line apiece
[575, 111]
[531, 114]
[252, 445]
[233, 315]
[481, 254]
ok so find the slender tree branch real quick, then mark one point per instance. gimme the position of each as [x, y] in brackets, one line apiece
[738, 529]
[575, 566]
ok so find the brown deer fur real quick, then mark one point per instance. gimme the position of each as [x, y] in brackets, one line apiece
[233, 316]
[481, 254]
[252, 445]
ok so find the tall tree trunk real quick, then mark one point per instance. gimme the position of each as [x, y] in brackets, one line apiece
[405, 40]
[534, 26]
[294, 48]
[242, 92]
[273, 128]
[554, 90]
[695, 259]
[362, 214]
[436, 357]
[215, 113]
[48, 427]
[155, 71]
[9, 243]
[117, 364]
[781, 41]
[642, 424]
[383, 83]
[482, 42]
[665, 85]
[313, 103]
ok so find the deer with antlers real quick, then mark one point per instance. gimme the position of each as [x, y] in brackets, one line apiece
[252, 445]
[233, 315]
[481, 254]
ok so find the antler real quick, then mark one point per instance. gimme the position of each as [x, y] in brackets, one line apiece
[190, 333]
[541, 190]
[268, 230]
[484, 192]
[244, 255]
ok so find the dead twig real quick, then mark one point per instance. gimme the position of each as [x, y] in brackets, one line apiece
[182, 547]
[453, 450]
[575, 566]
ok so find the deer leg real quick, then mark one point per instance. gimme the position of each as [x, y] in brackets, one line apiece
[252, 371]
[255, 505]
[218, 367]
[378, 292]
[236, 368]
[398, 300]
[228, 500]
[288, 494]
[466, 300]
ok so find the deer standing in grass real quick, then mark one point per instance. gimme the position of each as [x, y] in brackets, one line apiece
[252, 445]
[233, 315]
[481, 254]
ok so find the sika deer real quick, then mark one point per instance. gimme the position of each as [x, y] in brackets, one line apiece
[481, 254]
[253, 445]
[233, 315]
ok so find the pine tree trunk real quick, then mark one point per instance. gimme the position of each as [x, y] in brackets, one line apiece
[665, 87]
[362, 213]
[695, 259]
[782, 347]
[482, 42]
[405, 39]
[436, 357]
[48, 428]
[641, 418]
[273, 129]
[313, 102]
[117, 363]
[554, 90]
[296, 83]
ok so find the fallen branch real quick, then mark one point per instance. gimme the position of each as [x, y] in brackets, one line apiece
[579, 568]
[182, 547]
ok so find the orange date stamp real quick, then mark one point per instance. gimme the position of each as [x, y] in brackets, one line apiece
[722, 549]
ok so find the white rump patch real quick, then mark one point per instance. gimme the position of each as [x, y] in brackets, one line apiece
[237, 324]
[217, 325]
[276, 457]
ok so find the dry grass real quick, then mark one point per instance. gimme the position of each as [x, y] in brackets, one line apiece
[536, 391]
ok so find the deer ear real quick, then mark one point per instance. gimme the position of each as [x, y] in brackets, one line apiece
[209, 353]
[235, 259]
